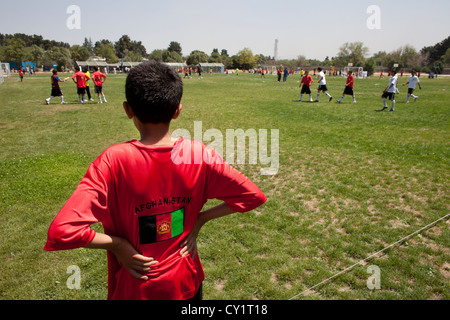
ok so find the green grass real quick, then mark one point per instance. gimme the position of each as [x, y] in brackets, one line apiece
[351, 181]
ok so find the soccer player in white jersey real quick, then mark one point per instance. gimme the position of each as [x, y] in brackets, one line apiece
[412, 81]
[390, 90]
[322, 85]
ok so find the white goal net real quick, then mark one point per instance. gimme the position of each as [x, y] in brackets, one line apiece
[4, 71]
[358, 72]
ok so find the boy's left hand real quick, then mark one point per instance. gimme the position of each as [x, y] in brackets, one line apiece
[189, 245]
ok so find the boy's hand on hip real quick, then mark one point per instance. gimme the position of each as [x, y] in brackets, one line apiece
[135, 263]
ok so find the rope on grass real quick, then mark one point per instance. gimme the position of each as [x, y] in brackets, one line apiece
[372, 255]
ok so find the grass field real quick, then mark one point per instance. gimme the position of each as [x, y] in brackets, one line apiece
[351, 181]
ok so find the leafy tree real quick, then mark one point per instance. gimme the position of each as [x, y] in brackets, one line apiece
[106, 50]
[79, 53]
[437, 51]
[37, 54]
[133, 56]
[260, 59]
[15, 50]
[196, 57]
[352, 52]
[164, 55]
[156, 55]
[122, 46]
[98, 44]
[301, 61]
[370, 65]
[89, 46]
[58, 55]
[215, 56]
[446, 57]
[175, 47]
[245, 59]
[171, 56]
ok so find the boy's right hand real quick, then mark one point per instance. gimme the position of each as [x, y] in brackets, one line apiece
[135, 263]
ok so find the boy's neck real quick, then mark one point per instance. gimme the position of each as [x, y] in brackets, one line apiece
[155, 134]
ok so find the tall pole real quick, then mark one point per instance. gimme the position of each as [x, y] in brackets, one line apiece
[275, 53]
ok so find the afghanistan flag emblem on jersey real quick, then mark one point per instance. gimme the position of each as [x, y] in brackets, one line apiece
[161, 226]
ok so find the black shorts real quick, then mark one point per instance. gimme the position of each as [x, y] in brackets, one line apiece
[348, 90]
[98, 89]
[390, 95]
[323, 87]
[56, 92]
[306, 89]
[410, 90]
[81, 90]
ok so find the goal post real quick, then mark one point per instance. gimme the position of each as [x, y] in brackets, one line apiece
[4, 71]
[358, 72]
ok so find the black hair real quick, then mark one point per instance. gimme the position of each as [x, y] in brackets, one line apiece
[320, 69]
[96, 68]
[55, 71]
[153, 91]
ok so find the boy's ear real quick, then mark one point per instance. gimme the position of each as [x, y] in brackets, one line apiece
[128, 110]
[177, 113]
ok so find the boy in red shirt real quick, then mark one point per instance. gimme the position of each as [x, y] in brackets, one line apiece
[99, 78]
[306, 86]
[80, 78]
[149, 201]
[348, 88]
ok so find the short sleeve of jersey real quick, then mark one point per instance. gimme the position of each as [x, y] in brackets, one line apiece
[233, 187]
[88, 204]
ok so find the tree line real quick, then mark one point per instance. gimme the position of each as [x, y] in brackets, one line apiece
[21, 47]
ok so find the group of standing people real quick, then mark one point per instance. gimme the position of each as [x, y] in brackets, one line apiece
[81, 79]
[285, 74]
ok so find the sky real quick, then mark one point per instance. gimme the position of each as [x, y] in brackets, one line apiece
[314, 29]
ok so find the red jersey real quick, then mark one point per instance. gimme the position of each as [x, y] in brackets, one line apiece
[81, 79]
[307, 80]
[97, 77]
[148, 196]
[349, 81]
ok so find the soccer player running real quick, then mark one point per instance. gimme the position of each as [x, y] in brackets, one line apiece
[56, 90]
[348, 88]
[412, 81]
[389, 92]
[322, 85]
[306, 86]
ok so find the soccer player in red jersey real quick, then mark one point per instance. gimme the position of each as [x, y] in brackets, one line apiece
[348, 88]
[148, 201]
[79, 78]
[306, 86]
[99, 78]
